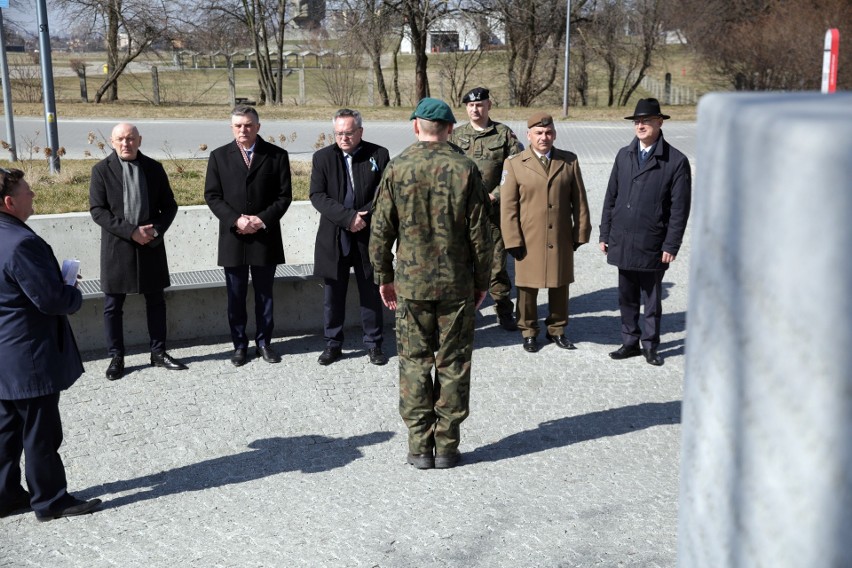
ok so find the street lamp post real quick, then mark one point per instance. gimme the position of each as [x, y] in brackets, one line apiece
[51, 129]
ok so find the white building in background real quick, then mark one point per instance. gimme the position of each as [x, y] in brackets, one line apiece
[461, 32]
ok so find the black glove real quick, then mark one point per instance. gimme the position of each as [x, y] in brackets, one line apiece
[518, 253]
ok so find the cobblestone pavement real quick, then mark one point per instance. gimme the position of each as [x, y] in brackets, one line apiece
[570, 458]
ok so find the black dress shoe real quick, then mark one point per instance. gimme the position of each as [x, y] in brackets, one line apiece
[651, 357]
[17, 504]
[530, 344]
[507, 322]
[239, 358]
[268, 353]
[116, 368]
[78, 508]
[377, 356]
[625, 352]
[330, 355]
[561, 341]
[166, 361]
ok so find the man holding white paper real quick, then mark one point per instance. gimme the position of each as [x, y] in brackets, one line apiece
[131, 199]
[40, 360]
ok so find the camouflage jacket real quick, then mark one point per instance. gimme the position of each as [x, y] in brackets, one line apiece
[431, 202]
[489, 148]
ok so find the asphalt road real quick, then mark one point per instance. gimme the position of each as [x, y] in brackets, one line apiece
[594, 142]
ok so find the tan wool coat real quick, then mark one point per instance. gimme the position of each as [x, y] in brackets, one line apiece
[545, 212]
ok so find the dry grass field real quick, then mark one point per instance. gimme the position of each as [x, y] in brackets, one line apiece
[203, 93]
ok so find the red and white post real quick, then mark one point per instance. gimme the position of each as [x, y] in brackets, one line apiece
[829, 60]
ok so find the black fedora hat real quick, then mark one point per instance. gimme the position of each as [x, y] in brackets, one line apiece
[647, 107]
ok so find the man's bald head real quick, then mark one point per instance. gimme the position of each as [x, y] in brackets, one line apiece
[126, 140]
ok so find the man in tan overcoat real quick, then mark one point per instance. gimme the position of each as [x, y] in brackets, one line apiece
[544, 214]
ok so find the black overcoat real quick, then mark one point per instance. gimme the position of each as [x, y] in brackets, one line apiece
[126, 266]
[328, 188]
[233, 189]
[645, 209]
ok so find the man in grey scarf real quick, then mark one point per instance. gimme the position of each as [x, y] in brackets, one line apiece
[131, 199]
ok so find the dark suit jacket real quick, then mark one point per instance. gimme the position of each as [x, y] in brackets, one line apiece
[37, 348]
[231, 189]
[126, 266]
[328, 188]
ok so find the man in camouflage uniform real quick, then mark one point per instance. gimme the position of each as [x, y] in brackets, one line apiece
[432, 202]
[489, 143]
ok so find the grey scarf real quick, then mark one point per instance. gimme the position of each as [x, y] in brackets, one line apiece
[135, 192]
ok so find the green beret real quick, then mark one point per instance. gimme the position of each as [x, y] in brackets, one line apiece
[435, 110]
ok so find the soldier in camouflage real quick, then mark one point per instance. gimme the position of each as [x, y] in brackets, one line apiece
[489, 143]
[432, 204]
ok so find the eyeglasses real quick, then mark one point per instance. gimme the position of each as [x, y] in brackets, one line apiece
[648, 120]
[348, 134]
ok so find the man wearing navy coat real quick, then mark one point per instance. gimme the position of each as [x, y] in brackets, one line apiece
[642, 225]
[40, 359]
[248, 188]
[344, 179]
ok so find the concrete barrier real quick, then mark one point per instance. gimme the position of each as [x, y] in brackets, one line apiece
[766, 474]
[192, 244]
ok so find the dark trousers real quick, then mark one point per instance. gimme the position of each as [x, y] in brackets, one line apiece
[236, 280]
[32, 426]
[155, 310]
[334, 303]
[647, 287]
[557, 316]
[500, 286]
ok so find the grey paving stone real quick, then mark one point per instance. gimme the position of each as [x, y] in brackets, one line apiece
[570, 458]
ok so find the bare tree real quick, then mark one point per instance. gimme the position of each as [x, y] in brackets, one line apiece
[265, 21]
[341, 81]
[370, 23]
[420, 15]
[535, 35]
[624, 36]
[24, 78]
[131, 27]
[397, 99]
[765, 44]
[456, 68]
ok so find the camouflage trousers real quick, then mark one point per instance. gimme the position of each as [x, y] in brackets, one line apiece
[434, 334]
[500, 286]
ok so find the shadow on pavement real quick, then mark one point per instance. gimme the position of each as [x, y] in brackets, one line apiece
[573, 429]
[268, 456]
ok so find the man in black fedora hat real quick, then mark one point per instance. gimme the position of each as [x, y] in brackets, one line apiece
[642, 225]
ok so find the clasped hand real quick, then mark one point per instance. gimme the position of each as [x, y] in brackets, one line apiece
[143, 234]
[248, 224]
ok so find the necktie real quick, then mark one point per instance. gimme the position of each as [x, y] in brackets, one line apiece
[246, 155]
[349, 203]
[545, 162]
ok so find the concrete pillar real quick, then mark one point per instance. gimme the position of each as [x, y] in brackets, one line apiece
[766, 472]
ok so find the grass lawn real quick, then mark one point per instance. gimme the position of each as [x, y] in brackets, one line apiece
[203, 93]
[68, 191]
